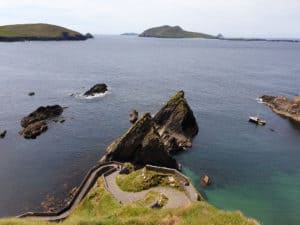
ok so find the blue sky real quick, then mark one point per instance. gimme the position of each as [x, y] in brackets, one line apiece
[238, 18]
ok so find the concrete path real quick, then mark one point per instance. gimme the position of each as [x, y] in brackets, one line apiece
[176, 198]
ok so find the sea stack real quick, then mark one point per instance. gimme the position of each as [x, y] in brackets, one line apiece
[152, 140]
[176, 123]
[141, 145]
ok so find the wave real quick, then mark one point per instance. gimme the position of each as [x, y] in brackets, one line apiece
[259, 100]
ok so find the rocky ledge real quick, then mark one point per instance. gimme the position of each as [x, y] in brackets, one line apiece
[283, 106]
[36, 122]
[152, 140]
[96, 89]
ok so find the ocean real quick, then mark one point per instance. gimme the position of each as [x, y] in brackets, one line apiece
[254, 169]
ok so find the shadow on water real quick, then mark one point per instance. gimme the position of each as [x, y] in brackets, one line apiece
[295, 125]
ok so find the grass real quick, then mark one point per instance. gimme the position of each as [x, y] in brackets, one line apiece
[144, 179]
[35, 30]
[101, 208]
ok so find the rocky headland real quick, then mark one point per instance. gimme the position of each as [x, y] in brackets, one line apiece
[283, 106]
[36, 122]
[152, 140]
[39, 32]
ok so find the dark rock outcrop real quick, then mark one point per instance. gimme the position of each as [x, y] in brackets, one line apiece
[3, 134]
[42, 113]
[35, 123]
[141, 145]
[133, 116]
[176, 123]
[89, 35]
[31, 93]
[283, 106]
[34, 129]
[96, 89]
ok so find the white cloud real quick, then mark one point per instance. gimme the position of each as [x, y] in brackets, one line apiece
[230, 17]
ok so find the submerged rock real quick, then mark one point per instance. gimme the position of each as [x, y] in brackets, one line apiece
[141, 145]
[176, 123]
[35, 123]
[96, 89]
[3, 134]
[283, 106]
[133, 116]
[205, 180]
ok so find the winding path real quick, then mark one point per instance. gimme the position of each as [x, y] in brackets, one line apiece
[176, 198]
[109, 171]
[87, 184]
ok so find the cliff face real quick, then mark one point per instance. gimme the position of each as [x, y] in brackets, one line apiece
[289, 108]
[151, 140]
[141, 144]
[176, 123]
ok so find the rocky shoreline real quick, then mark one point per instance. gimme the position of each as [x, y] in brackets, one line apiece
[289, 108]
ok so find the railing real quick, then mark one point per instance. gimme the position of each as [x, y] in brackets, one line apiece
[85, 186]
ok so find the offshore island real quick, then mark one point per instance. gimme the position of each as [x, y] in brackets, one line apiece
[138, 181]
[39, 32]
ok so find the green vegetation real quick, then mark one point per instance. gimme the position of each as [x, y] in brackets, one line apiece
[173, 32]
[39, 30]
[144, 179]
[100, 207]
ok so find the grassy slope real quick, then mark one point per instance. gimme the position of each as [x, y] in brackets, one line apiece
[35, 30]
[100, 207]
[135, 181]
[173, 32]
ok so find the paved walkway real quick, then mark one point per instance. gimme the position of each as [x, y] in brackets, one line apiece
[176, 198]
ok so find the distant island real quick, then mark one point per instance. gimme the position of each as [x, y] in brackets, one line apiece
[130, 34]
[39, 32]
[173, 32]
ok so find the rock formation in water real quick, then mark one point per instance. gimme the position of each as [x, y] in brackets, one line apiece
[96, 89]
[205, 180]
[35, 123]
[176, 123]
[133, 116]
[3, 134]
[141, 145]
[151, 140]
[283, 106]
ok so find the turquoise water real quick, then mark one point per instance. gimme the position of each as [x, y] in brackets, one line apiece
[254, 169]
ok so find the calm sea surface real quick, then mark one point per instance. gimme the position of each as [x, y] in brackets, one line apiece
[254, 169]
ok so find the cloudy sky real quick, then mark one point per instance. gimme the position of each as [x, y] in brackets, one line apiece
[239, 18]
